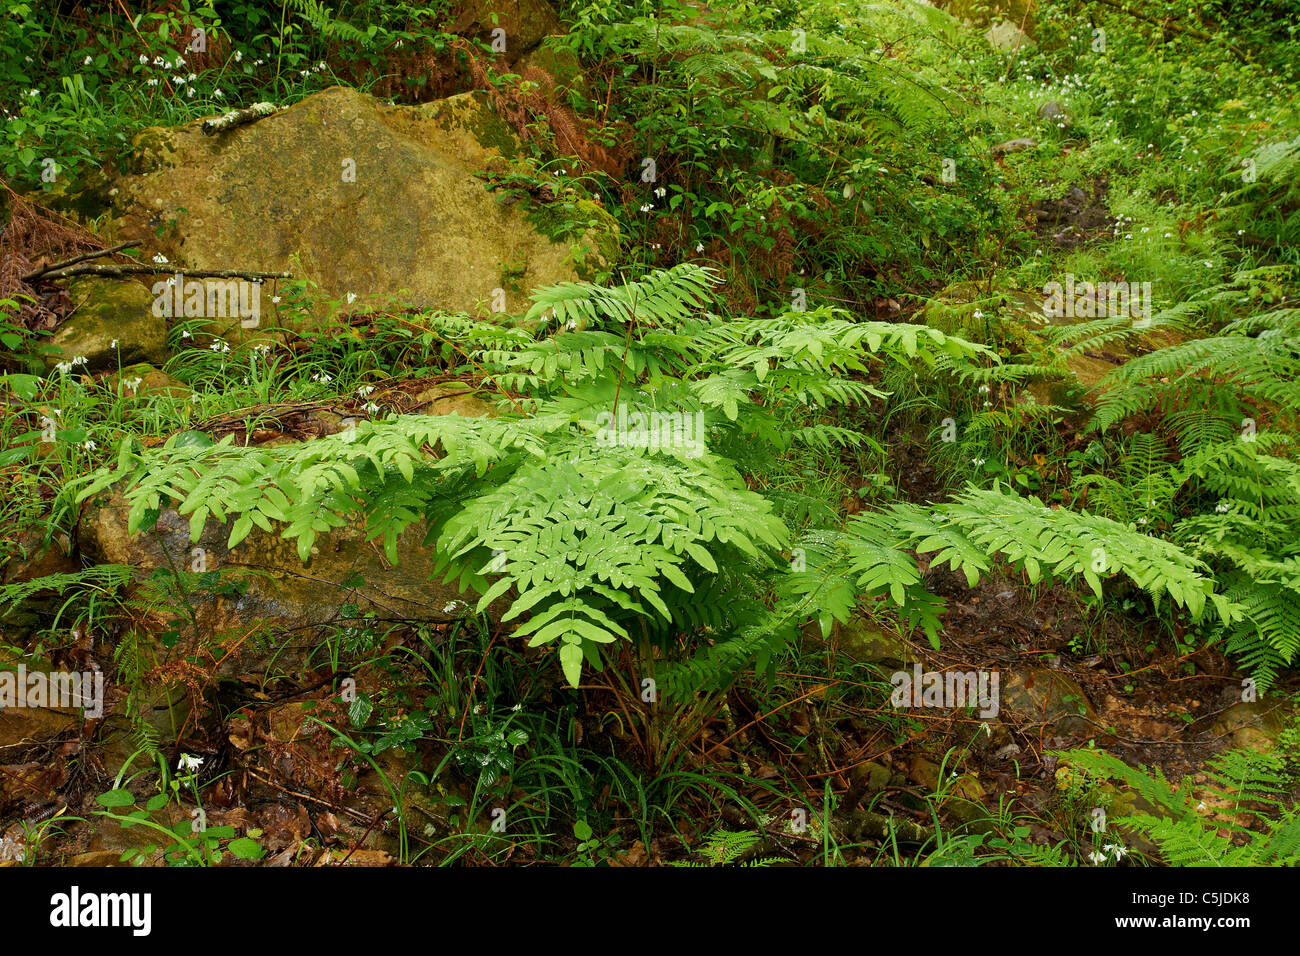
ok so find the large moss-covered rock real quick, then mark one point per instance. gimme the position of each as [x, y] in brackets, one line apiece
[562, 66]
[112, 322]
[525, 22]
[984, 12]
[364, 199]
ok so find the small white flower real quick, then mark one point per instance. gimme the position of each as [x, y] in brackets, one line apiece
[160, 258]
[661, 192]
[87, 61]
[647, 207]
[159, 61]
[365, 390]
[977, 462]
[133, 383]
[980, 315]
[188, 763]
[185, 334]
[321, 66]
[239, 55]
[218, 94]
[89, 445]
[1117, 850]
[517, 708]
[351, 297]
[113, 344]
[275, 299]
[699, 247]
[152, 82]
[1096, 857]
[370, 408]
[193, 77]
[1221, 507]
[144, 60]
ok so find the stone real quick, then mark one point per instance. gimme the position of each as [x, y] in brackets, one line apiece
[142, 380]
[1054, 112]
[560, 65]
[26, 556]
[453, 399]
[982, 12]
[1008, 37]
[343, 569]
[1039, 694]
[861, 642]
[1253, 725]
[1014, 146]
[525, 22]
[112, 324]
[364, 200]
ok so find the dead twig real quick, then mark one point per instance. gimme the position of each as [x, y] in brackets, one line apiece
[117, 272]
[55, 266]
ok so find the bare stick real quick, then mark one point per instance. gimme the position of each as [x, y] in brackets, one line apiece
[116, 272]
[67, 262]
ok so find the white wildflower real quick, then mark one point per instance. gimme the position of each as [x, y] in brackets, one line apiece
[188, 763]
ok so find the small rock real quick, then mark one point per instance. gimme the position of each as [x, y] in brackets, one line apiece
[871, 646]
[1054, 112]
[1253, 724]
[1014, 146]
[1040, 694]
[1008, 37]
[142, 379]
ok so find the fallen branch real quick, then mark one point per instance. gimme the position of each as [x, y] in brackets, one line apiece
[235, 118]
[117, 272]
[55, 266]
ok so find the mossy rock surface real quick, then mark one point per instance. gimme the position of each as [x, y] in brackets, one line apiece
[525, 22]
[363, 199]
[112, 324]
